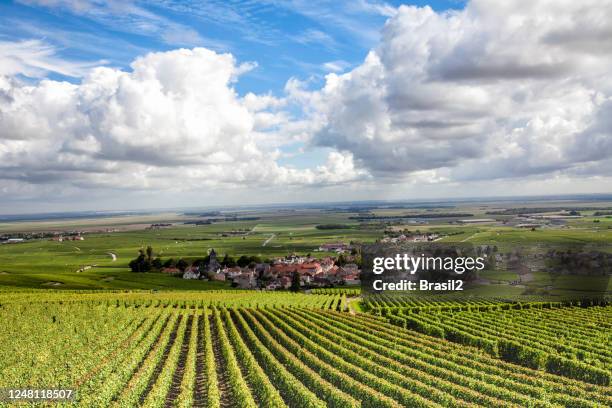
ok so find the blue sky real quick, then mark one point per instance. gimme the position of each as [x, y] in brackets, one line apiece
[303, 39]
[110, 104]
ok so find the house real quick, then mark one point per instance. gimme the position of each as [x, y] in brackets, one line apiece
[291, 259]
[312, 268]
[338, 247]
[476, 221]
[528, 225]
[275, 284]
[334, 279]
[352, 279]
[305, 279]
[321, 281]
[327, 264]
[245, 281]
[232, 272]
[14, 240]
[262, 269]
[333, 270]
[191, 273]
[283, 269]
[218, 276]
[348, 269]
[285, 282]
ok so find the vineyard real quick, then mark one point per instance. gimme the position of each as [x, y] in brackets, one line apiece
[182, 299]
[566, 338]
[215, 353]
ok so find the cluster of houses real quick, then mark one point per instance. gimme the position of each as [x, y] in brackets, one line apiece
[61, 238]
[339, 248]
[279, 274]
[429, 237]
[53, 236]
[158, 226]
[11, 240]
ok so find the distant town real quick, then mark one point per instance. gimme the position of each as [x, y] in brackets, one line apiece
[292, 271]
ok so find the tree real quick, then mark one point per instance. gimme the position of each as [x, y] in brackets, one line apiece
[243, 261]
[149, 253]
[228, 261]
[295, 282]
[169, 263]
[156, 263]
[246, 260]
[134, 265]
[140, 264]
[182, 265]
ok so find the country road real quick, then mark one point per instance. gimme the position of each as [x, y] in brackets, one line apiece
[470, 237]
[268, 240]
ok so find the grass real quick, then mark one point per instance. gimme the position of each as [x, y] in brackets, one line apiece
[42, 263]
[51, 264]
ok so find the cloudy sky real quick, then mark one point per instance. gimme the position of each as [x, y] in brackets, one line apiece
[126, 105]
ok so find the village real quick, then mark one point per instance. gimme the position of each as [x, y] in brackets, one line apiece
[283, 273]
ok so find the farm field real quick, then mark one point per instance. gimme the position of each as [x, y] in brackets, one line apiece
[216, 354]
[561, 338]
[88, 264]
[305, 204]
[83, 320]
[101, 260]
[333, 299]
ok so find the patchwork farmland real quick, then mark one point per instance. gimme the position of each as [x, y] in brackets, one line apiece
[76, 317]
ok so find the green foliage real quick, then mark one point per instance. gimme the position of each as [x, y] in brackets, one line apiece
[540, 335]
[295, 282]
[578, 370]
[182, 265]
[245, 260]
[147, 349]
[518, 353]
[333, 226]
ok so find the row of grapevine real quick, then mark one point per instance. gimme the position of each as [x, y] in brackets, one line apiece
[216, 357]
[524, 336]
[349, 291]
[176, 300]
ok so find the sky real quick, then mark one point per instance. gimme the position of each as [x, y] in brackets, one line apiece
[115, 105]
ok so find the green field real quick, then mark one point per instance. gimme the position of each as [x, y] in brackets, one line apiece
[570, 338]
[88, 264]
[248, 349]
[85, 322]
[51, 264]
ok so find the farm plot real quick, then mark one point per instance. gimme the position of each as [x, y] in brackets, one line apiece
[182, 299]
[154, 356]
[566, 340]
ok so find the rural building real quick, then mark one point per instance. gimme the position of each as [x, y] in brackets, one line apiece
[338, 247]
[476, 221]
[191, 273]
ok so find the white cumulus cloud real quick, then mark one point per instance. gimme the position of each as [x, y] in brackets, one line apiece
[496, 90]
[172, 122]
